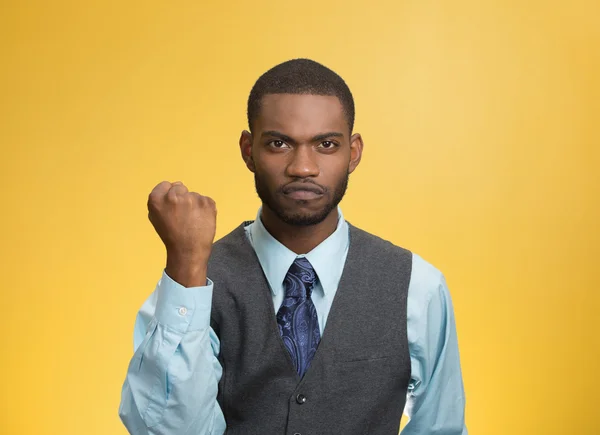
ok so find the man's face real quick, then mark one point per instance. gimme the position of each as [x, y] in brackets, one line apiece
[301, 153]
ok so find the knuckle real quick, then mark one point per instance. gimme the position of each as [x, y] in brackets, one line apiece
[161, 187]
[159, 190]
[171, 195]
[196, 197]
[188, 199]
[211, 204]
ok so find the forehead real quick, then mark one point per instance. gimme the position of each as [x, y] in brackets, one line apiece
[297, 115]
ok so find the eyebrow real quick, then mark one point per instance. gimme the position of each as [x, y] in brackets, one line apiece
[285, 138]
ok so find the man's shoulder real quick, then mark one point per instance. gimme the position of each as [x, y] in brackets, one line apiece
[230, 247]
[425, 270]
[422, 270]
[376, 241]
[234, 237]
[426, 280]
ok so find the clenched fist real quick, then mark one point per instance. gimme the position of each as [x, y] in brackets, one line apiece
[186, 223]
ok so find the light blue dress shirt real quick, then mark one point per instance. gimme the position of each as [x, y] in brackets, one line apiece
[172, 380]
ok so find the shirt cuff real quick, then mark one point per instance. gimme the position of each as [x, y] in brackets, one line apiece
[183, 308]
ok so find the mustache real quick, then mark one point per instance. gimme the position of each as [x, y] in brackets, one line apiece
[309, 186]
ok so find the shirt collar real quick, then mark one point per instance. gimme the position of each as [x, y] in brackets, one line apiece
[327, 258]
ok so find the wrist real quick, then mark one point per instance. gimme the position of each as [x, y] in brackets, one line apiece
[187, 270]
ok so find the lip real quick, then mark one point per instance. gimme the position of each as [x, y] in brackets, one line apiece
[303, 191]
[303, 194]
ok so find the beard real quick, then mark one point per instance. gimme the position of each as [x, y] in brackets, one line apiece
[297, 218]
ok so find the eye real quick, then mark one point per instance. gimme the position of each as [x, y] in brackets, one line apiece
[327, 145]
[277, 144]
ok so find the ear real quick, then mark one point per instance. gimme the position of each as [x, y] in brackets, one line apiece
[356, 149]
[246, 149]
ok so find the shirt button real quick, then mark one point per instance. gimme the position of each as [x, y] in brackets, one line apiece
[301, 398]
[296, 433]
[182, 311]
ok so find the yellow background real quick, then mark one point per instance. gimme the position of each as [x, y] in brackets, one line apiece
[481, 123]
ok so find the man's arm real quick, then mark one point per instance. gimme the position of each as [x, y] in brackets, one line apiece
[436, 399]
[172, 380]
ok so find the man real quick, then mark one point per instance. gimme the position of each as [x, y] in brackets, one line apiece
[297, 322]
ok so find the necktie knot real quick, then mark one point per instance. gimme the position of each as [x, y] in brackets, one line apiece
[300, 279]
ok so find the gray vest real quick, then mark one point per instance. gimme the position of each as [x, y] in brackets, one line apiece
[358, 379]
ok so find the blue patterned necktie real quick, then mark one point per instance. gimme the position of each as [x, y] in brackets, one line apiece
[297, 317]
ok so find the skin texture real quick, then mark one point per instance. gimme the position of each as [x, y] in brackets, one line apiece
[186, 223]
[301, 152]
[301, 142]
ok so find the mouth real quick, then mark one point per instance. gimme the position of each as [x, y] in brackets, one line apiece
[303, 191]
[303, 195]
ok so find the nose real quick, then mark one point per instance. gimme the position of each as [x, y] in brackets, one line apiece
[303, 163]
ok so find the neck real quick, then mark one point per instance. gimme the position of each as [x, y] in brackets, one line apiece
[299, 239]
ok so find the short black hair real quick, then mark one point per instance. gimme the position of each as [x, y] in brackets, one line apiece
[300, 76]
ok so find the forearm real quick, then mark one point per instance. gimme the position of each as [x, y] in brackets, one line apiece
[172, 380]
[167, 394]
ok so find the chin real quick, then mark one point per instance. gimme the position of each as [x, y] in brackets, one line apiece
[303, 219]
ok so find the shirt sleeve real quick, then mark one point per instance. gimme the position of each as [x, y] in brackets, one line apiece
[436, 400]
[172, 380]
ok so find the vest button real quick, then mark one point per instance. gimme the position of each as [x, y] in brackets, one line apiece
[300, 398]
